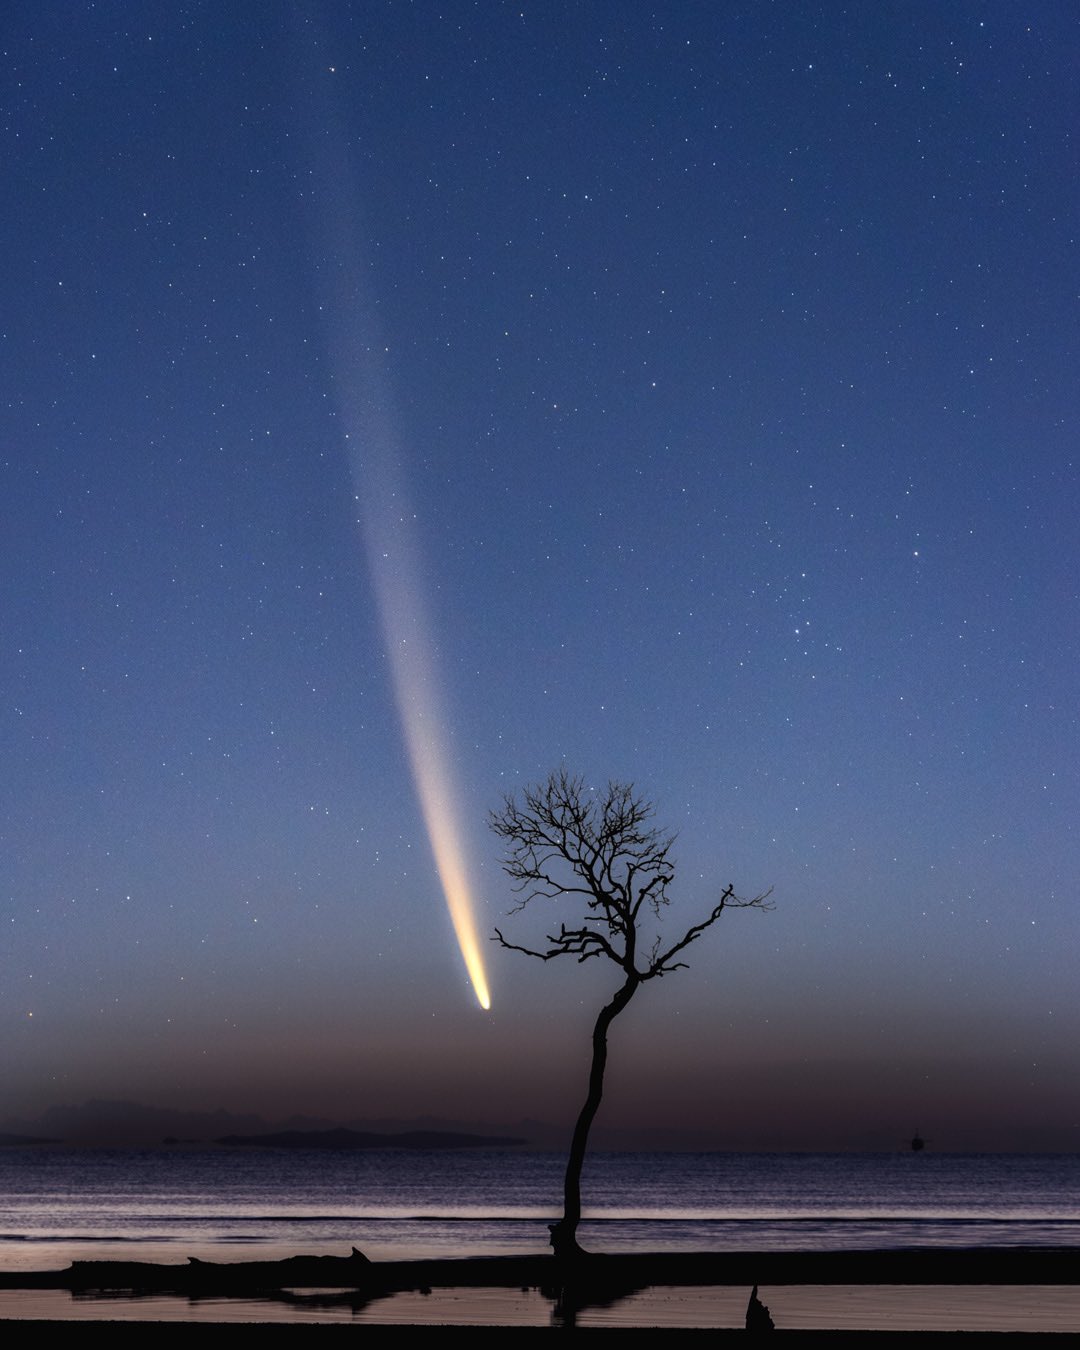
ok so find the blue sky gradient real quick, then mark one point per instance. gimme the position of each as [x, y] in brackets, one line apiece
[726, 359]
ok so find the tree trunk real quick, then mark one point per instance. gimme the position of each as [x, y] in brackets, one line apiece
[564, 1233]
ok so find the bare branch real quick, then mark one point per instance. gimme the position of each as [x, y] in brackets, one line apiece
[528, 951]
[729, 900]
[564, 839]
[581, 942]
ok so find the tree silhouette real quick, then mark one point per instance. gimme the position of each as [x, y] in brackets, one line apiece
[564, 840]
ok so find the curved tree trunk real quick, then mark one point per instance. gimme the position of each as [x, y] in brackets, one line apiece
[564, 1233]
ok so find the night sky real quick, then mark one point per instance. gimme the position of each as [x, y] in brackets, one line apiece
[680, 393]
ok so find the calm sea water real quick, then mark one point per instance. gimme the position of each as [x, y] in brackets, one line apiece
[57, 1206]
[253, 1204]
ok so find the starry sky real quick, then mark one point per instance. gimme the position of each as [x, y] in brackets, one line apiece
[691, 390]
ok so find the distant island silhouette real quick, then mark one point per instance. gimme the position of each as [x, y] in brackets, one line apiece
[355, 1139]
[126, 1124]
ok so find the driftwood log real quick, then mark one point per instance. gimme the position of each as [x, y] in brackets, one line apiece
[592, 1273]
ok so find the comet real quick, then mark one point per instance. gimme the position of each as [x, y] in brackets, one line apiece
[422, 725]
[388, 526]
[393, 559]
[368, 412]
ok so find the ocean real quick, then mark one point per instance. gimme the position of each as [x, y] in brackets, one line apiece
[252, 1204]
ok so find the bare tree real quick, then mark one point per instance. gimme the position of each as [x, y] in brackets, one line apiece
[564, 840]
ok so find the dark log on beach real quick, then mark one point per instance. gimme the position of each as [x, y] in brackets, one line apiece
[299, 1272]
[592, 1274]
